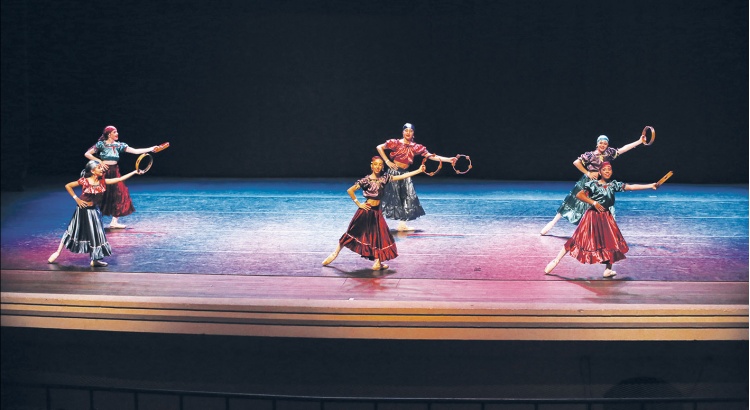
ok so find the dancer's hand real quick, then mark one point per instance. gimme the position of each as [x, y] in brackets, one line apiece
[104, 166]
[391, 165]
[593, 175]
[422, 168]
[364, 206]
[599, 207]
[454, 160]
[83, 204]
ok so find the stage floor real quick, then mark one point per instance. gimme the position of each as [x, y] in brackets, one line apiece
[474, 260]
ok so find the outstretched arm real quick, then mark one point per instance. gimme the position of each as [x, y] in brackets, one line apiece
[632, 145]
[408, 174]
[638, 187]
[124, 177]
[436, 157]
[140, 150]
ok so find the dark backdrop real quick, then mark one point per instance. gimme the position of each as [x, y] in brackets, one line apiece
[304, 88]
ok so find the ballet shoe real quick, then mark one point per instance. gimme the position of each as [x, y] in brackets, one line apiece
[98, 264]
[381, 266]
[330, 259]
[402, 227]
[116, 226]
[53, 257]
[550, 266]
[608, 273]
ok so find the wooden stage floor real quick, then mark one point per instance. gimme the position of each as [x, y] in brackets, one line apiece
[243, 257]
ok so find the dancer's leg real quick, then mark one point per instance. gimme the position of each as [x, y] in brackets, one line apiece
[333, 255]
[550, 224]
[57, 252]
[550, 266]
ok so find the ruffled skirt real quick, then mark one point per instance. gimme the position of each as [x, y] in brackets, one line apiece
[400, 201]
[368, 235]
[85, 234]
[597, 239]
[116, 201]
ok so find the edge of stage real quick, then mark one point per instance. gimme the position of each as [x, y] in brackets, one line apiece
[422, 300]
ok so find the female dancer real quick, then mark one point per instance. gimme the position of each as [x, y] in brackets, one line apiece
[368, 234]
[85, 233]
[571, 208]
[597, 239]
[400, 200]
[116, 202]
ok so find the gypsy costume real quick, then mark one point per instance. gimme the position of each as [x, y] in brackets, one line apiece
[85, 233]
[571, 208]
[116, 201]
[368, 234]
[597, 239]
[400, 200]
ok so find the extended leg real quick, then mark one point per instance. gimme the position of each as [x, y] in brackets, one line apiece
[333, 255]
[550, 224]
[554, 262]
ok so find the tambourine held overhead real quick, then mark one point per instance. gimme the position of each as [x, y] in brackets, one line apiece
[467, 168]
[653, 135]
[161, 147]
[424, 161]
[664, 178]
[145, 160]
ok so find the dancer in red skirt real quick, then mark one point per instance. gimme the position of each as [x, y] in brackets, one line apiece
[597, 239]
[368, 234]
[116, 202]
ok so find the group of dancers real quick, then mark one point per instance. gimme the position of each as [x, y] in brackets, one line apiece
[388, 192]
[590, 204]
[102, 193]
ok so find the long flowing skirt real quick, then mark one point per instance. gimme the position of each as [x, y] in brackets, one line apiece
[368, 235]
[572, 208]
[116, 201]
[597, 239]
[85, 234]
[400, 201]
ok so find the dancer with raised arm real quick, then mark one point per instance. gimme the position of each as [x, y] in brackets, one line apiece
[588, 163]
[400, 201]
[85, 233]
[597, 239]
[368, 234]
[107, 150]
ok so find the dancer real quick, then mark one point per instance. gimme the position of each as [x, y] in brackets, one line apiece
[597, 239]
[400, 200]
[588, 163]
[85, 233]
[368, 234]
[116, 202]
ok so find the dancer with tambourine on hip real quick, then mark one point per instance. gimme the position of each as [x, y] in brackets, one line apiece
[588, 163]
[400, 201]
[368, 234]
[85, 233]
[597, 239]
[107, 150]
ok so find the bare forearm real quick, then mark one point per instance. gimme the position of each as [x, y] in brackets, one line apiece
[139, 150]
[638, 187]
[630, 146]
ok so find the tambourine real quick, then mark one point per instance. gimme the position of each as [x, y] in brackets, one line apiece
[149, 160]
[664, 179]
[440, 165]
[161, 147]
[653, 135]
[467, 169]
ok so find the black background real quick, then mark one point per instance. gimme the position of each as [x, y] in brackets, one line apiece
[295, 88]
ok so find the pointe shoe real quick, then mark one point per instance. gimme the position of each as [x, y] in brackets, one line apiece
[382, 266]
[117, 226]
[608, 273]
[330, 258]
[550, 266]
[98, 264]
[53, 257]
